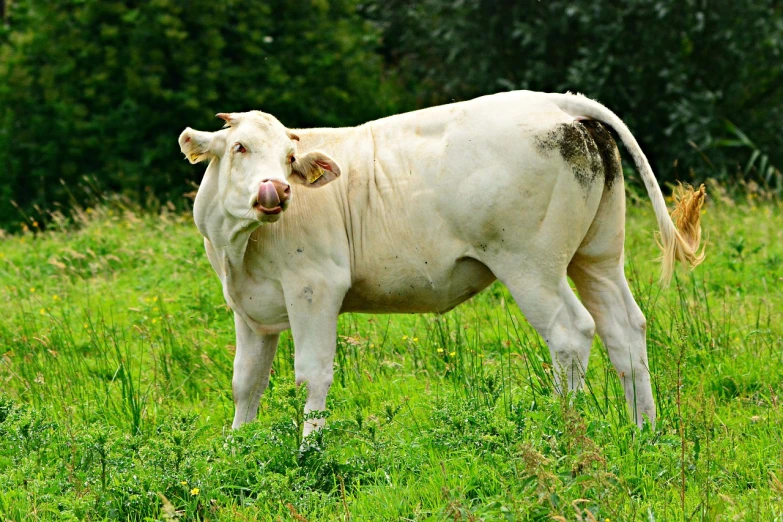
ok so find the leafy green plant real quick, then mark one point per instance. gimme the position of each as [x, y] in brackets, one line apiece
[757, 168]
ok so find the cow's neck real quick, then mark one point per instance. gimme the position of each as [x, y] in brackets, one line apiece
[229, 241]
[228, 236]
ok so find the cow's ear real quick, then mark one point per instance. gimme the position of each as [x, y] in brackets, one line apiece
[314, 169]
[199, 146]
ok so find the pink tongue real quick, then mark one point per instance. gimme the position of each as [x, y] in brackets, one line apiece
[267, 195]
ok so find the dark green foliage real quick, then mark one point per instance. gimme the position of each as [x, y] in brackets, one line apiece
[102, 88]
[674, 70]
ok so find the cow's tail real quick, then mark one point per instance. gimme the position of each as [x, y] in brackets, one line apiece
[678, 242]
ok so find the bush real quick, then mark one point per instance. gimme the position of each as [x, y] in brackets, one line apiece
[675, 70]
[102, 88]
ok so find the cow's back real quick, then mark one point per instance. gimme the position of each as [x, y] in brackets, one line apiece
[428, 199]
[451, 187]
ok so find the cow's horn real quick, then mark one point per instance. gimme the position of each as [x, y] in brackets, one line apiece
[228, 118]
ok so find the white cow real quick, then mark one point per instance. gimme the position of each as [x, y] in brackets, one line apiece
[417, 213]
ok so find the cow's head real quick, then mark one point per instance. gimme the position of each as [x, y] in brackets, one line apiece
[256, 162]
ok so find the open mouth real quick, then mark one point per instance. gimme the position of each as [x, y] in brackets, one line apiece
[269, 211]
[272, 197]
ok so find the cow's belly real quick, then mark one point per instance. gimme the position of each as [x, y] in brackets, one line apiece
[408, 289]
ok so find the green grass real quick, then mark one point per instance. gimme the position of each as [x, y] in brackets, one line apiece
[116, 393]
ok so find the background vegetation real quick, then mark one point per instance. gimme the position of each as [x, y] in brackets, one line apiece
[101, 88]
[677, 71]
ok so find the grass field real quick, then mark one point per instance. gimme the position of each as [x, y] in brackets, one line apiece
[115, 402]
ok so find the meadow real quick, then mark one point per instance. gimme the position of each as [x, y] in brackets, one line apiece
[115, 394]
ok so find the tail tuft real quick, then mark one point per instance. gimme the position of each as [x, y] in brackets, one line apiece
[683, 245]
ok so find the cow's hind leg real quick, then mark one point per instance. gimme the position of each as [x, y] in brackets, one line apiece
[621, 326]
[558, 316]
[597, 271]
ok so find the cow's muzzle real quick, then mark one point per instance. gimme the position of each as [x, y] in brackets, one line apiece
[273, 196]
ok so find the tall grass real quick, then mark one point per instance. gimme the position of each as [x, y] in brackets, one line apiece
[116, 372]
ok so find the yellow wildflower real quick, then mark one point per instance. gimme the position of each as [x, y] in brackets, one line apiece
[155, 299]
[32, 290]
[415, 339]
[404, 337]
[453, 354]
[42, 311]
[56, 297]
[440, 350]
[184, 482]
[194, 491]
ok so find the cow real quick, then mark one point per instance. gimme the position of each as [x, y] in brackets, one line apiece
[418, 212]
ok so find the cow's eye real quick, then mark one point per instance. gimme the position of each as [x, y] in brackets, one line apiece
[291, 159]
[238, 147]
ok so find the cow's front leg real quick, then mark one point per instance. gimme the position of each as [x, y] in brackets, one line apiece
[312, 313]
[315, 341]
[252, 363]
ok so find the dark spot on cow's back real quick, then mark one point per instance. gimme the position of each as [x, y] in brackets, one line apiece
[607, 148]
[576, 146]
